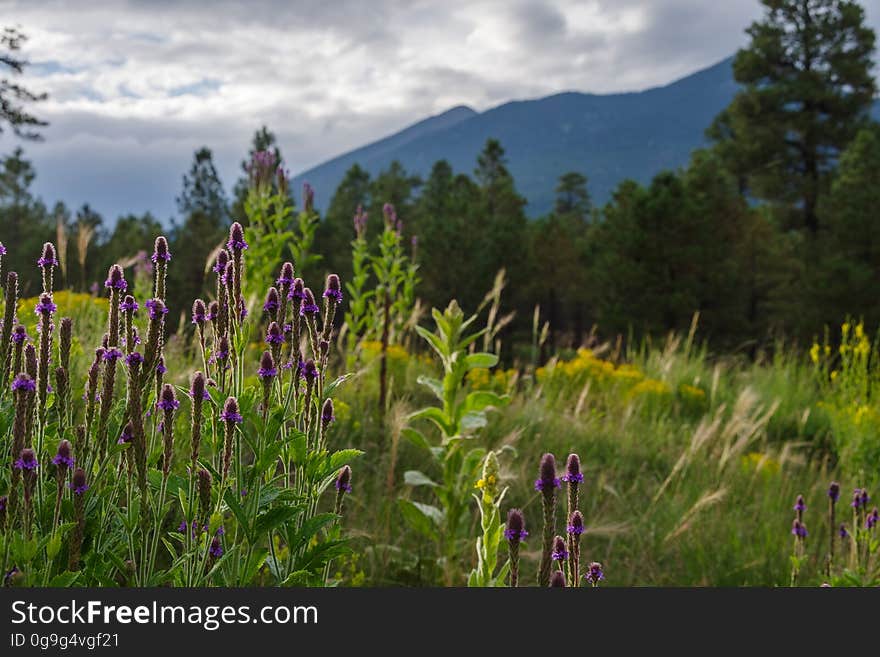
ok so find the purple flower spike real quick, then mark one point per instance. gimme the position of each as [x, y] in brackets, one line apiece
[798, 528]
[834, 491]
[126, 435]
[327, 413]
[557, 580]
[576, 523]
[872, 519]
[48, 257]
[216, 549]
[333, 289]
[27, 460]
[63, 458]
[199, 312]
[559, 552]
[221, 262]
[160, 366]
[230, 412]
[116, 279]
[112, 354]
[272, 302]
[19, 334]
[573, 472]
[800, 506]
[78, 482]
[128, 304]
[168, 400]
[157, 308]
[343, 480]
[236, 242]
[46, 305]
[286, 277]
[308, 305]
[516, 526]
[267, 366]
[274, 335]
[594, 573]
[842, 531]
[310, 371]
[2, 253]
[547, 479]
[134, 357]
[297, 292]
[199, 387]
[24, 383]
[160, 250]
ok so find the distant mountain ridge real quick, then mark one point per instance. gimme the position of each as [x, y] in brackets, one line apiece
[606, 137]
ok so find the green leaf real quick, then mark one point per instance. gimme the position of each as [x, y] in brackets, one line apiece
[417, 478]
[480, 399]
[63, 580]
[437, 416]
[481, 359]
[472, 421]
[416, 437]
[433, 340]
[343, 457]
[299, 443]
[435, 385]
[273, 518]
[420, 520]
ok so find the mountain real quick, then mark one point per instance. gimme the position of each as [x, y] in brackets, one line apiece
[607, 137]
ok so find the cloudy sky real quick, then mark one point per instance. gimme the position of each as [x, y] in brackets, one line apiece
[136, 86]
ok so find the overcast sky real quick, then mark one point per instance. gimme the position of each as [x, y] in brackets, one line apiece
[135, 87]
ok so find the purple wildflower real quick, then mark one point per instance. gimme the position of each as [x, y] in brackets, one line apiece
[559, 552]
[78, 482]
[842, 531]
[236, 241]
[594, 573]
[516, 526]
[19, 334]
[160, 366]
[213, 311]
[557, 579]
[126, 436]
[798, 528]
[27, 460]
[116, 279]
[547, 479]
[274, 335]
[360, 222]
[310, 371]
[308, 304]
[199, 312]
[800, 506]
[48, 257]
[157, 307]
[2, 253]
[160, 250]
[221, 262]
[573, 472]
[267, 366]
[216, 549]
[332, 289]
[297, 292]
[308, 198]
[199, 387]
[134, 357]
[272, 301]
[834, 492]
[63, 457]
[230, 413]
[872, 519]
[327, 413]
[343, 480]
[128, 304]
[112, 354]
[286, 277]
[168, 400]
[46, 305]
[24, 382]
[576, 523]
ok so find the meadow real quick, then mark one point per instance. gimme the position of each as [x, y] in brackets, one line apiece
[281, 435]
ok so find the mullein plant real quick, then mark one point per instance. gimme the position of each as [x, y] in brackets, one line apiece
[486, 573]
[134, 480]
[456, 421]
[358, 315]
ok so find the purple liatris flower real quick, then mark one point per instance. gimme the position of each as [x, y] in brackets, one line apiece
[573, 472]
[230, 413]
[24, 383]
[594, 573]
[297, 291]
[871, 520]
[834, 492]
[126, 435]
[272, 301]
[547, 479]
[285, 279]
[842, 531]
[116, 279]
[78, 482]
[27, 460]
[199, 312]
[557, 579]
[168, 400]
[216, 549]
[800, 506]
[267, 366]
[213, 311]
[343, 479]
[160, 366]
[559, 552]
[134, 357]
[128, 304]
[865, 498]
[308, 305]
[576, 523]
[19, 334]
[310, 371]
[198, 390]
[157, 308]
[798, 528]
[112, 354]
[160, 250]
[46, 305]
[221, 261]
[327, 413]
[2, 253]
[274, 335]
[236, 241]
[63, 458]
[48, 258]
[333, 290]
[515, 531]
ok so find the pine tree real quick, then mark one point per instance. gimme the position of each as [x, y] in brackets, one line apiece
[14, 97]
[807, 90]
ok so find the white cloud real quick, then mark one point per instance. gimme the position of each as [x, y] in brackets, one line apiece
[135, 87]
